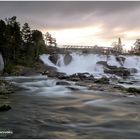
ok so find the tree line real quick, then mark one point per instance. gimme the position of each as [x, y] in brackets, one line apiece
[21, 45]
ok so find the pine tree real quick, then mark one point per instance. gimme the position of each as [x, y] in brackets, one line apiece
[26, 34]
[13, 36]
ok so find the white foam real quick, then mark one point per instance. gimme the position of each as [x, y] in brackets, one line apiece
[87, 63]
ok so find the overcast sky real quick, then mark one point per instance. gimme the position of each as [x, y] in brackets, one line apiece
[80, 22]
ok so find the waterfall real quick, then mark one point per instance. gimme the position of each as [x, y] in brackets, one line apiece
[1, 63]
[82, 63]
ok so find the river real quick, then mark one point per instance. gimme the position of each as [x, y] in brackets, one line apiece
[43, 109]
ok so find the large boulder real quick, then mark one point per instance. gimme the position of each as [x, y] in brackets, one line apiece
[104, 63]
[54, 58]
[120, 59]
[67, 59]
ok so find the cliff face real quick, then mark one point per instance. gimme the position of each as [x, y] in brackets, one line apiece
[1, 63]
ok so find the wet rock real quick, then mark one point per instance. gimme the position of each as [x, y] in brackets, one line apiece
[120, 59]
[121, 71]
[54, 58]
[77, 77]
[111, 67]
[62, 83]
[103, 63]
[80, 76]
[67, 59]
[102, 80]
[4, 107]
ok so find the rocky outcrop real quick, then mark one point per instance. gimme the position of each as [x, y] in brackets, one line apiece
[54, 58]
[6, 87]
[67, 59]
[62, 83]
[103, 80]
[120, 71]
[79, 77]
[104, 63]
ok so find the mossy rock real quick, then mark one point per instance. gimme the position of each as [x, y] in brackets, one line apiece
[133, 90]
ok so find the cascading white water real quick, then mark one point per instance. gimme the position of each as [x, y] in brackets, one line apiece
[132, 62]
[1, 63]
[82, 63]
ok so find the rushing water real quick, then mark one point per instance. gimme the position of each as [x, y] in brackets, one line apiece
[88, 63]
[46, 110]
[82, 63]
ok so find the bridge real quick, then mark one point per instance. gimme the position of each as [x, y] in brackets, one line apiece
[90, 49]
[77, 47]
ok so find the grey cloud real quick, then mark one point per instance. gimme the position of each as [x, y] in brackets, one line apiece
[73, 14]
[65, 14]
